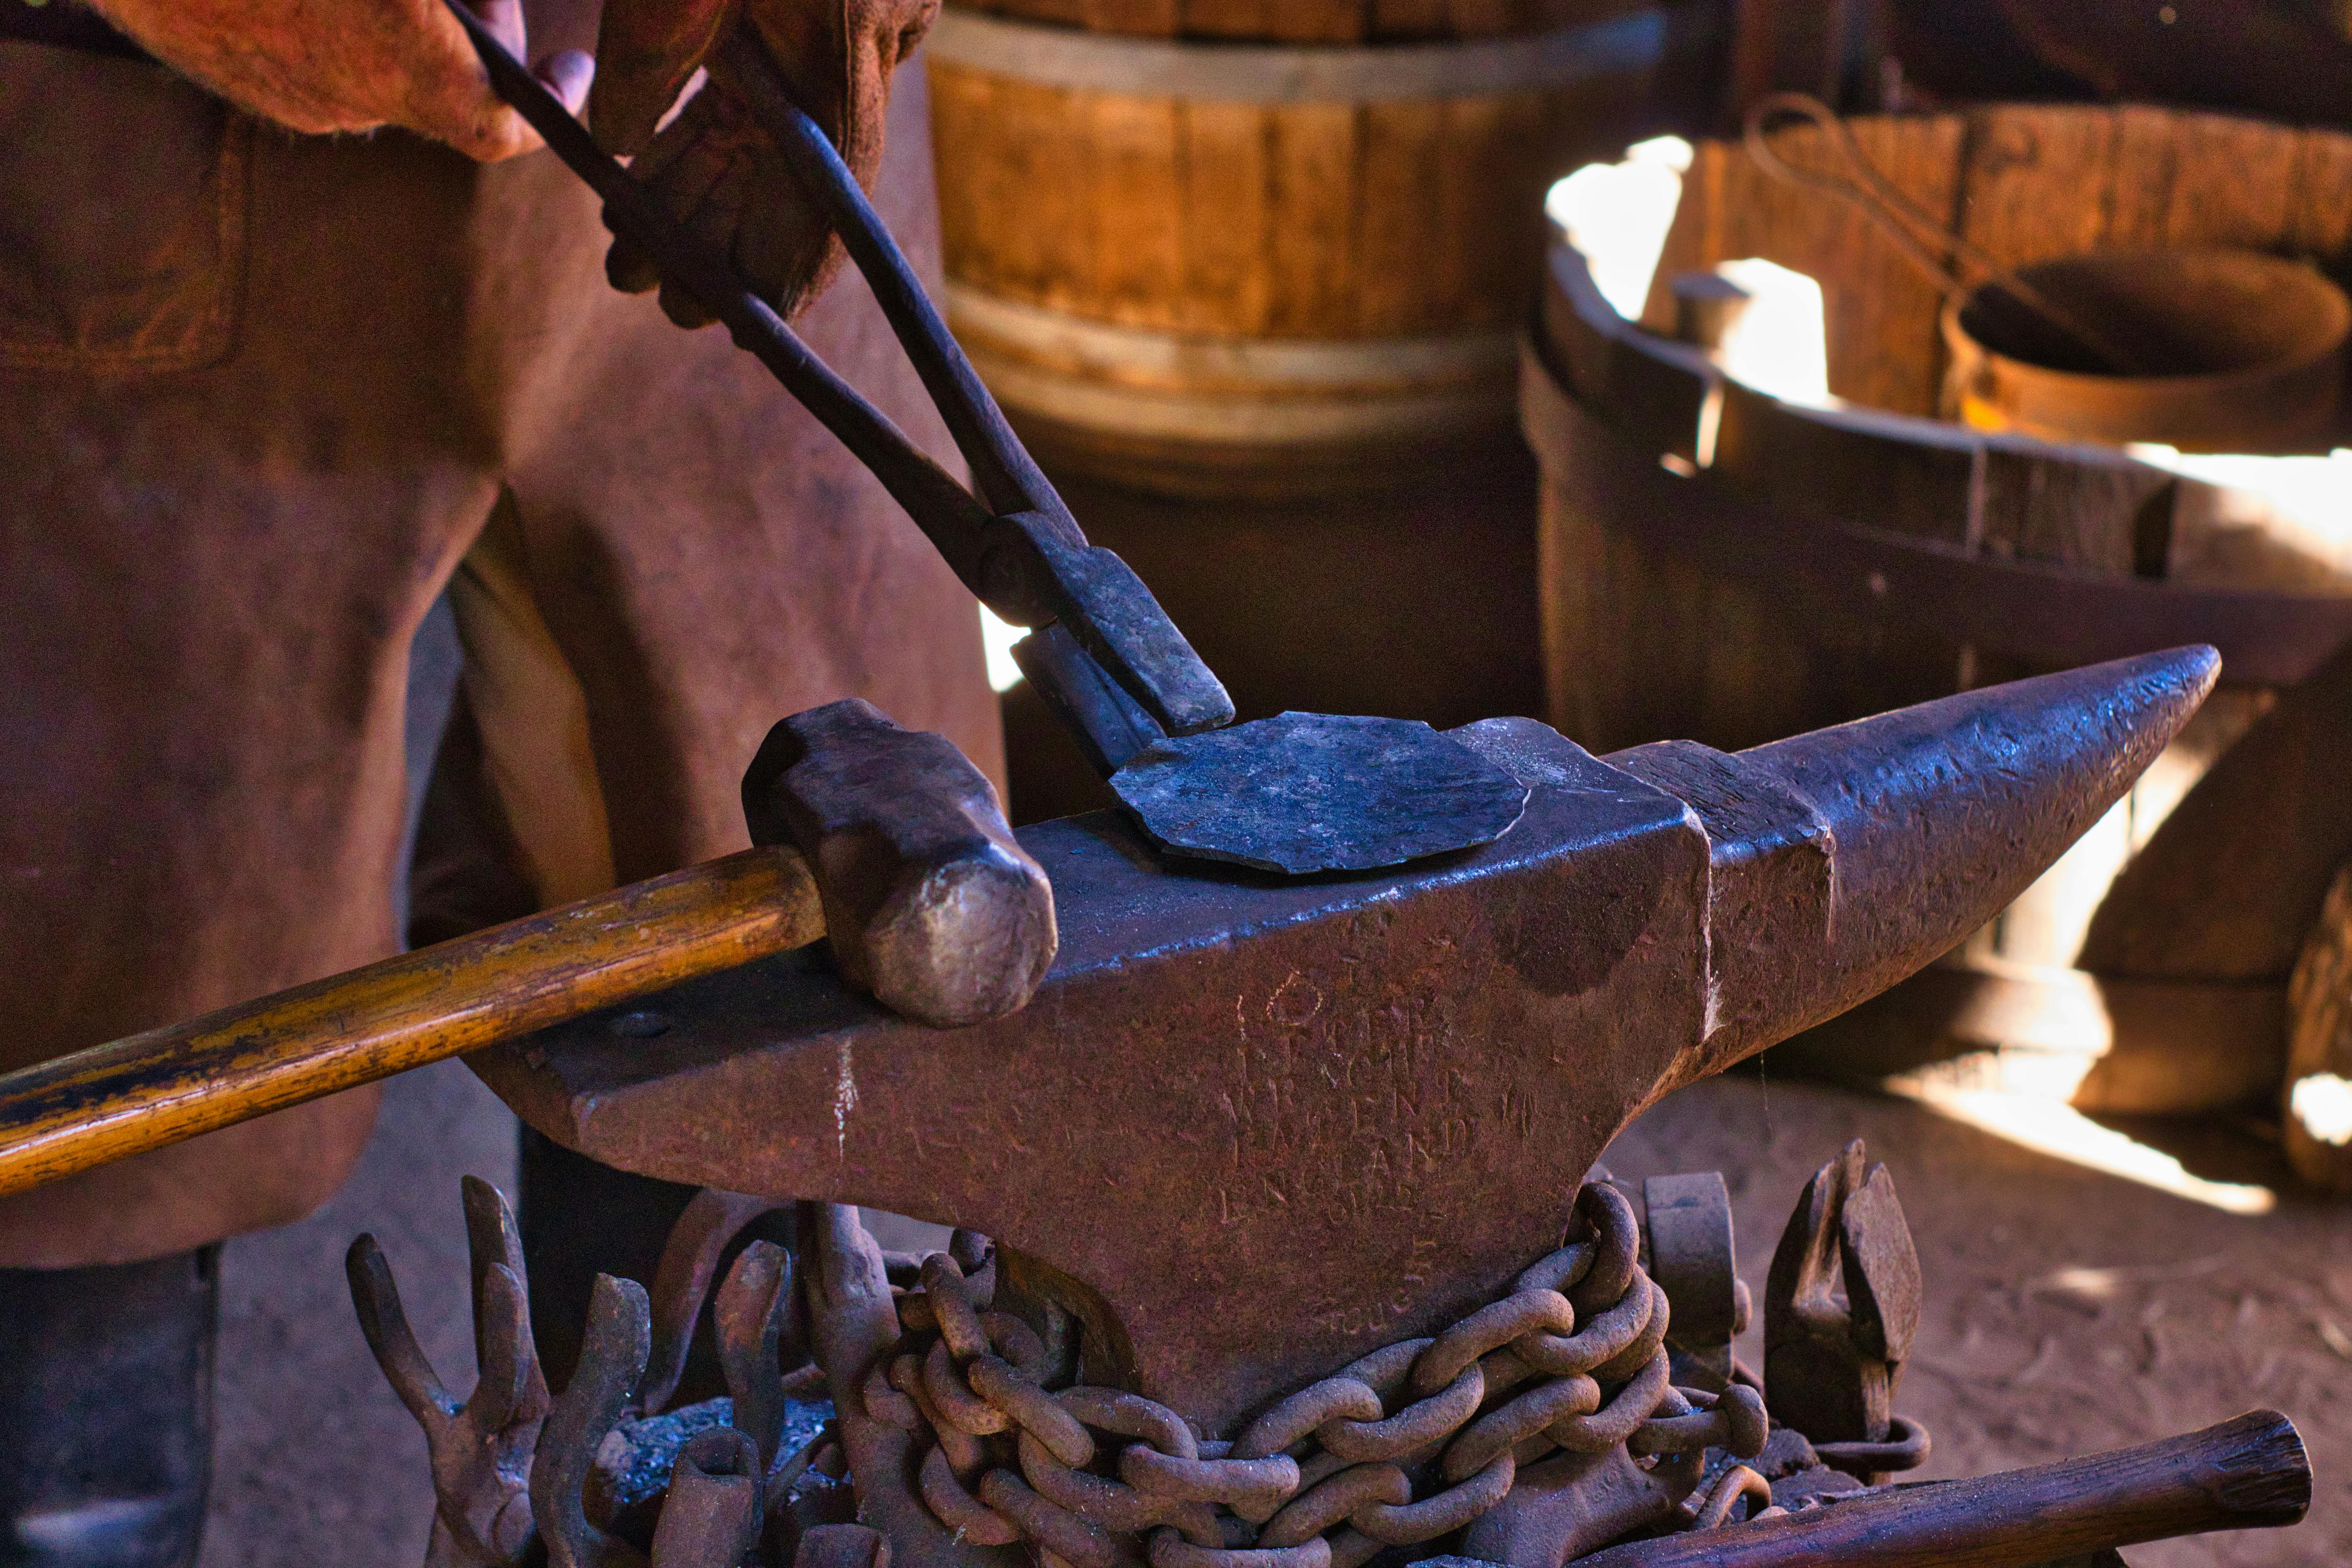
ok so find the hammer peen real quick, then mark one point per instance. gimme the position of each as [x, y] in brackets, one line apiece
[886, 840]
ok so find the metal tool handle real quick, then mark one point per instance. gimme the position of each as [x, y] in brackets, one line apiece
[1056, 576]
[1027, 560]
[1001, 469]
[943, 509]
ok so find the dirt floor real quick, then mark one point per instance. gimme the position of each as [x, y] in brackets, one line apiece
[2066, 1312]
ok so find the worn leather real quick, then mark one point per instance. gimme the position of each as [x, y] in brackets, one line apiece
[257, 396]
[713, 167]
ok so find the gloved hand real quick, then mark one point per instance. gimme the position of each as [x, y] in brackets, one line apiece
[320, 65]
[712, 166]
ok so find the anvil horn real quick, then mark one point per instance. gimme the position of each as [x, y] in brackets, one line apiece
[1845, 859]
[1250, 1129]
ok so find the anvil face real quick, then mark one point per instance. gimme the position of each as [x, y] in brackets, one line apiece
[1263, 1122]
[1251, 1129]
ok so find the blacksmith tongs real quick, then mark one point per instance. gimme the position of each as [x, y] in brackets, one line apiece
[1298, 793]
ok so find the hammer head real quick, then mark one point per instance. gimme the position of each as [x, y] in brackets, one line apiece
[929, 901]
[1253, 1129]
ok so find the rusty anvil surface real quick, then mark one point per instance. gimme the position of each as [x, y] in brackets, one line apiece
[1253, 1128]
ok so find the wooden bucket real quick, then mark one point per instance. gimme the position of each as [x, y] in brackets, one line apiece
[2239, 351]
[1721, 566]
[1242, 268]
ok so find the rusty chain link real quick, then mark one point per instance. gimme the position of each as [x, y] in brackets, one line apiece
[1573, 1358]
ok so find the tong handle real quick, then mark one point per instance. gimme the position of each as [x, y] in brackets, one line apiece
[1025, 559]
[946, 512]
[1008, 480]
[1038, 567]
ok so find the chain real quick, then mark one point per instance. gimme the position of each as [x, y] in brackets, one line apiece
[1573, 1359]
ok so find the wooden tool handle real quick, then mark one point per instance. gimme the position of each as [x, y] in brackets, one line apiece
[2245, 1474]
[149, 1090]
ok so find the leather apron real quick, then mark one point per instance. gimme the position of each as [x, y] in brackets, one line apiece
[258, 395]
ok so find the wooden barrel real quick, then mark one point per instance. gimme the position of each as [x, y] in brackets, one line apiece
[1728, 567]
[1243, 267]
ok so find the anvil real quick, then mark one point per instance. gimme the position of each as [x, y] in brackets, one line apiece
[1250, 1129]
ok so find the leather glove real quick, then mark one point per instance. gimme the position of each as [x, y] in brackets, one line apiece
[321, 67]
[712, 166]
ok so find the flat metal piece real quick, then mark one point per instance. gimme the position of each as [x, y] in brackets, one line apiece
[1302, 793]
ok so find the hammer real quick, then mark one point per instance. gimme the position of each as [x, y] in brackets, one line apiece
[888, 842]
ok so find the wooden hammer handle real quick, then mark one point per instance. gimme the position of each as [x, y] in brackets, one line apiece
[148, 1090]
[2244, 1474]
